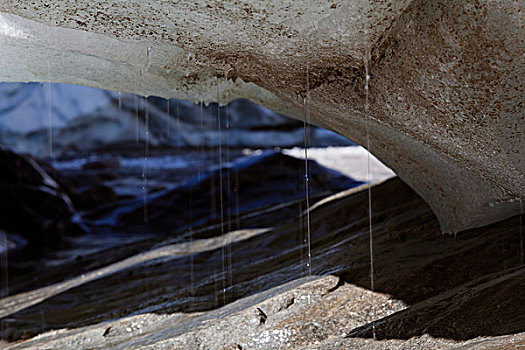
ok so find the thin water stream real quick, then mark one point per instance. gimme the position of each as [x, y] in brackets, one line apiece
[221, 190]
[371, 235]
[306, 178]
[145, 166]
[521, 230]
[136, 103]
[49, 112]
[168, 118]
[228, 187]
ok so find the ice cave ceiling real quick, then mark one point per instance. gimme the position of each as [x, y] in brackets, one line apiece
[446, 77]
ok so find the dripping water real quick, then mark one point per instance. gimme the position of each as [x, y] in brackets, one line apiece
[178, 128]
[5, 273]
[136, 100]
[192, 277]
[306, 178]
[521, 230]
[371, 236]
[236, 189]
[168, 119]
[201, 143]
[221, 191]
[42, 321]
[146, 145]
[5, 261]
[228, 188]
[49, 115]
[192, 258]
[145, 165]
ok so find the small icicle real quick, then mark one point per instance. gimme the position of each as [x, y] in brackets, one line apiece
[149, 58]
[119, 104]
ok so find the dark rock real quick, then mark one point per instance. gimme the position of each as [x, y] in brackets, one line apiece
[10, 243]
[94, 196]
[247, 185]
[33, 205]
[110, 163]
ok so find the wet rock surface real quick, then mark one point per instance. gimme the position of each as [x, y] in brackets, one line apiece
[257, 189]
[245, 289]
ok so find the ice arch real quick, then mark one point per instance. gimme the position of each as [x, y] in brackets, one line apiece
[446, 76]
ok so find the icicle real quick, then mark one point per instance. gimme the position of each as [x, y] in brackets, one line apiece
[371, 236]
[149, 58]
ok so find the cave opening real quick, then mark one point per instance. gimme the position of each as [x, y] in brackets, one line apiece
[106, 182]
[116, 207]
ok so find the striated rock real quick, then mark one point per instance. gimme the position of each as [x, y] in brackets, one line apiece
[251, 287]
[446, 87]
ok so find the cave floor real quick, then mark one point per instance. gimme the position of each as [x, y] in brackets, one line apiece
[431, 291]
